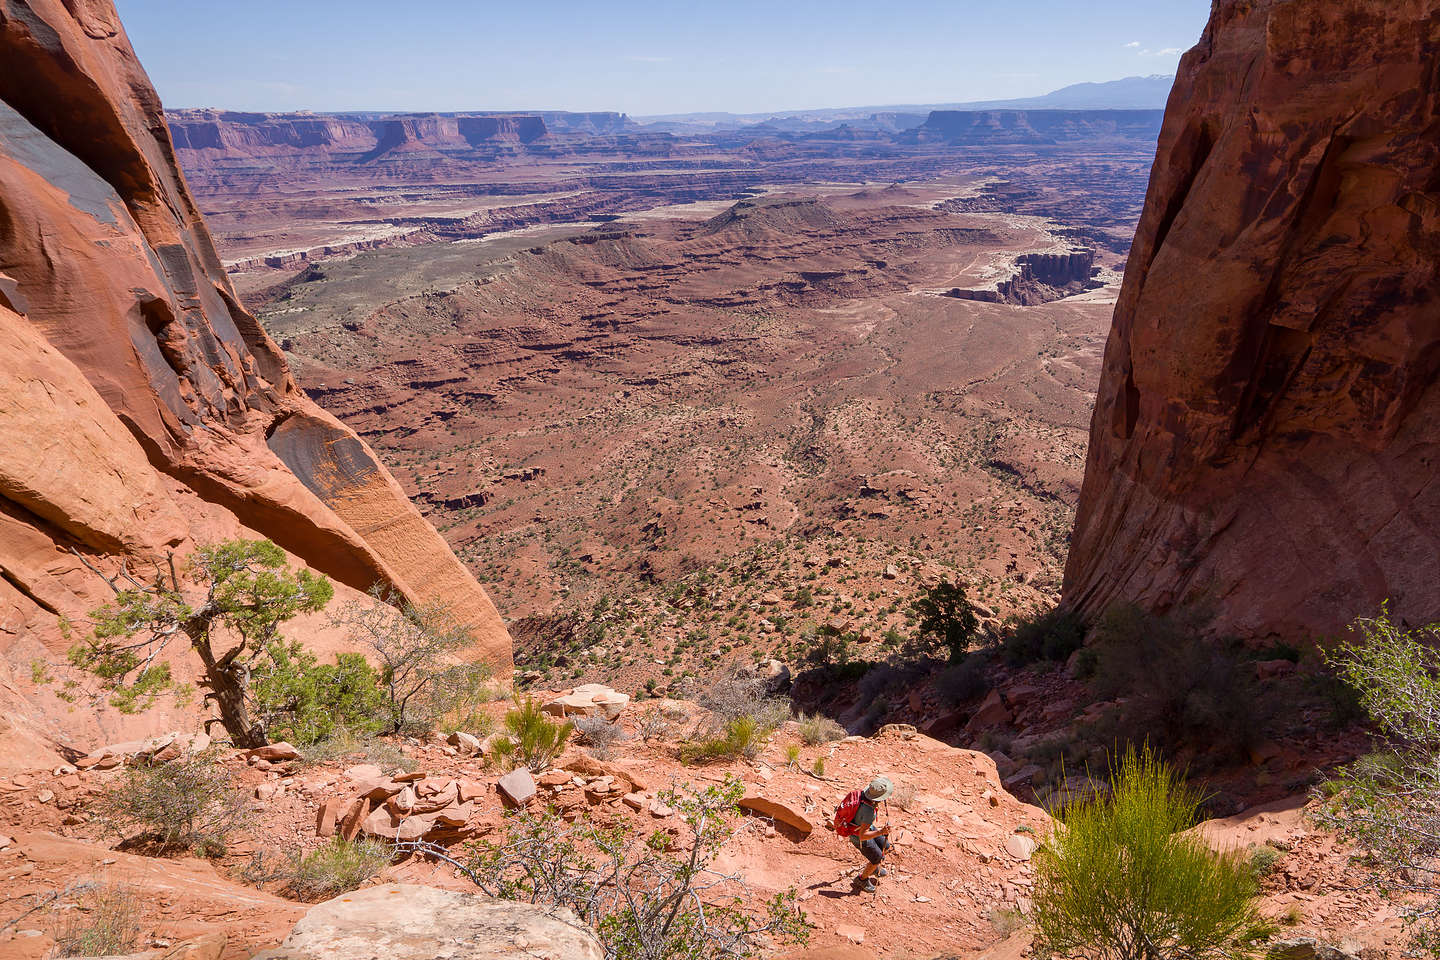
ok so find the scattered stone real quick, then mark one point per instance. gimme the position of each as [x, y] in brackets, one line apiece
[327, 816]
[1019, 846]
[274, 752]
[852, 933]
[467, 743]
[635, 801]
[659, 810]
[45, 796]
[898, 730]
[1305, 948]
[991, 713]
[517, 787]
[365, 773]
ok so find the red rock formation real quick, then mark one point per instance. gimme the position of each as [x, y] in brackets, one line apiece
[143, 409]
[1268, 422]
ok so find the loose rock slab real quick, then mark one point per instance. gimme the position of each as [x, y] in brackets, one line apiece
[776, 811]
[409, 922]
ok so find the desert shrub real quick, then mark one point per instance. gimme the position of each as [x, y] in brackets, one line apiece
[792, 756]
[818, 767]
[302, 701]
[652, 725]
[531, 739]
[829, 650]
[1263, 859]
[104, 921]
[881, 679]
[740, 737]
[1180, 688]
[817, 729]
[1121, 880]
[739, 695]
[904, 795]
[1006, 920]
[343, 743]
[964, 681]
[652, 897]
[947, 619]
[247, 592]
[1050, 636]
[191, 802]
[599, 734]
[1388, 803]
[415, 647]
[339, 866]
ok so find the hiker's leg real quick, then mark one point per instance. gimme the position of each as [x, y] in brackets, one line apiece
[874, 855]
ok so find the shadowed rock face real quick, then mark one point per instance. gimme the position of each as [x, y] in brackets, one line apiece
[1267, 429]
[144, 410]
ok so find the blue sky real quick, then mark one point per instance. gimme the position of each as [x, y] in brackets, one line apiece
[643, 57]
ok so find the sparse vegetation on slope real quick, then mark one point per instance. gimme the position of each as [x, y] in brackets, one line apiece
[1389, 802]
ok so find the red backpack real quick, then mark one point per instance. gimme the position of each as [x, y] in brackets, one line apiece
[845, 814]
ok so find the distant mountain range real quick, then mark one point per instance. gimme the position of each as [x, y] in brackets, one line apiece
[1130, 93]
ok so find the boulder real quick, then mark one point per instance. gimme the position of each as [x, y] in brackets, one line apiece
[467, 743]
[408, 922]
[274, 753]
[588, 700]
[754, 802]
[1020, 846]
[517, 787]
[991, 713]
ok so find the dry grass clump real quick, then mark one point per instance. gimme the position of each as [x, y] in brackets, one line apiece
[337, 867]
[818, 729]
[105, 920]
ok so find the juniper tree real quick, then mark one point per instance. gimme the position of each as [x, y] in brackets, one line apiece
[247, 591]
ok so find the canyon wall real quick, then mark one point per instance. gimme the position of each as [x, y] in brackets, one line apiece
[143, 410]
[1266, 434]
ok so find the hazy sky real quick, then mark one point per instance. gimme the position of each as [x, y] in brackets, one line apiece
[643, 57]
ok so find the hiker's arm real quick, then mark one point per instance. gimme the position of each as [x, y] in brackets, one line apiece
[867, 834]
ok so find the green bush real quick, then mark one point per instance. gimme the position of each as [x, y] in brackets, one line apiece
[191, 802]
[337, 867]
[1120, 879]
[531, 739]
[415, 648]
[947, 619]
[741, 737]
[1180, 688]
[964, 681]
[644, 896]
[1388, 803]
[302, 701]
[1050, 636]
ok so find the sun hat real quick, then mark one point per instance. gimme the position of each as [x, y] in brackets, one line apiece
[879, 789]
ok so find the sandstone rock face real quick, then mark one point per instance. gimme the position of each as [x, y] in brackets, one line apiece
[1266, 434]
[407, 922]
[143, 410]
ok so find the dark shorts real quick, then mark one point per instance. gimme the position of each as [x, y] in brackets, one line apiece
[874, 849]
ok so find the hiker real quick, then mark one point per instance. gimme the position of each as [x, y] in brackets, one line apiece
[856, 819]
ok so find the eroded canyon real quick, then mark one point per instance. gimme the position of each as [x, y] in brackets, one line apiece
[608, 378]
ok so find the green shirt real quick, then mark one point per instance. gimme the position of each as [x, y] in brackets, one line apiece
[864, 819]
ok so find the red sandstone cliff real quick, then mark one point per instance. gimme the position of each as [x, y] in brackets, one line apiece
[142, 409]
[1268, 422]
